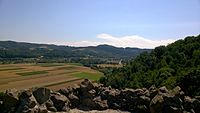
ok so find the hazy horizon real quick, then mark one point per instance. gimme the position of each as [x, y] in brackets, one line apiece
[127, 23]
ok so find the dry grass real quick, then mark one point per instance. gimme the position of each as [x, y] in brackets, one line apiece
[59, 86]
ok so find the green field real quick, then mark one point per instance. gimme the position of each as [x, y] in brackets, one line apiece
[91, 76]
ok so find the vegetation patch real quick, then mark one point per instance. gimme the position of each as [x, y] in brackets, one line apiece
[110, 65]
[66, 68]
[9, 69]
[49, 64]
[68, 72]
[32, 73]
[86, 75]
[2, 95]
[75, 64]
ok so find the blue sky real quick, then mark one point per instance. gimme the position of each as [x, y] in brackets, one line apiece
[133, 23]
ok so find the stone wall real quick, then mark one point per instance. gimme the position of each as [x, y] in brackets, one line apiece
[92, 96]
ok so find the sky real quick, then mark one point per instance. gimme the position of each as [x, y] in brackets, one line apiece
[121, 23]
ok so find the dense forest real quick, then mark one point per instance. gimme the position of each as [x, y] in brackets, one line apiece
[18, 52]
[175, 64]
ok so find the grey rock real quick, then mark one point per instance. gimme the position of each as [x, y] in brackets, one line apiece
[174, 101]
[50, 106]
[152, 92]
[26, 104]
[42, 110]
[176, 91]
[74, 100]
[156, 104]
[163, 89]
[53, 109]
[61, 102]
[191, 103]
[144, 100]
[142, 109]
[100, 104]
[86, 85]
[25, 94]
[127, 92]
[66, 91]
[188, 103]
[10, 100]
[87, 103]
[171, 109]
[196, 104]
[41, 95]
[33, 110]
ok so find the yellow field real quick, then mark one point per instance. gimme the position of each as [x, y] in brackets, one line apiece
[53, 76]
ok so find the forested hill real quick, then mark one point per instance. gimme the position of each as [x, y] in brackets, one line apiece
[175, 64]
[11, 49]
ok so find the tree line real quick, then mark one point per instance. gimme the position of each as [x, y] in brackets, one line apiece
[175, 64]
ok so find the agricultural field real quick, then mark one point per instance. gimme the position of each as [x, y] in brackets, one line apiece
[51, 75]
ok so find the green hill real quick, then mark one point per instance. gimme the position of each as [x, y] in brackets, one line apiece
[175, 64]
[22, 52]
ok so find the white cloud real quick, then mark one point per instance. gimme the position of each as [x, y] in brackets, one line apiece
[133, 41]
[125, 41]
[83, 43]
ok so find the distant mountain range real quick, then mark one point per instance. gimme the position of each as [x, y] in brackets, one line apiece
[12, 49]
